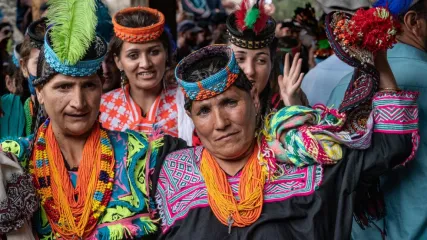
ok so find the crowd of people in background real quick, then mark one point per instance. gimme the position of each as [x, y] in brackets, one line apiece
[148, 83]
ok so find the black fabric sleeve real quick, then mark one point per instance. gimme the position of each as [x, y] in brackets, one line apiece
[363, 167]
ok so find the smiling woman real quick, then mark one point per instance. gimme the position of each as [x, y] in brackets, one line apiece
[149, 99]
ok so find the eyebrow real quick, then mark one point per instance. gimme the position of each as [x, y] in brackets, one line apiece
[133, 50]
[154, 46]
[262, 53]
[148, 48]
[241, 52]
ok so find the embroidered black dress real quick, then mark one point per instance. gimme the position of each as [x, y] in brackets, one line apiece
[313, 202]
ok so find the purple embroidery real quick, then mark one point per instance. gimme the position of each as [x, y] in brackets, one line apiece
[181, 186]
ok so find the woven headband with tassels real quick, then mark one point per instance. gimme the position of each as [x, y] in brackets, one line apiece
[141, 34]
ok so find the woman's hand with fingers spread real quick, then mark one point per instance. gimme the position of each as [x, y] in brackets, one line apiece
[290, 81]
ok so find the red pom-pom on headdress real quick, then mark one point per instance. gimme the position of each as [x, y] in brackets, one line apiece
[374, 29]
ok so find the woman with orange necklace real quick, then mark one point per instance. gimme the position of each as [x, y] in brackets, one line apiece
[92, 183]
[296, 177]
[149, 99]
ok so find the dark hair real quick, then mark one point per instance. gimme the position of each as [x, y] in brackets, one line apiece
[139, 19]
[208, 67]
[5, 24]
[419, 8]
[12, 71]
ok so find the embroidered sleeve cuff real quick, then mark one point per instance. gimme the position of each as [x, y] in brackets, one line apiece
[395, 112]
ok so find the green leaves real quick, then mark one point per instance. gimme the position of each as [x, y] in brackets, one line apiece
[74, 23]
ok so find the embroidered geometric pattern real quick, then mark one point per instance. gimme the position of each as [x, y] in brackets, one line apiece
[81, 68]
[396, 113]
[119, 112]
[182, 188]
[214, 84]
[141, 34]
[20, 204]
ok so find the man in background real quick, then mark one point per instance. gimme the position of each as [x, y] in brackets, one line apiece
[321, 80]
[187, 38]
[405, 188]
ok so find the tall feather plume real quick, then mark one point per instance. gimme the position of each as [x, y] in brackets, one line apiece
[241, 14]
[262, 18]
[74, 23]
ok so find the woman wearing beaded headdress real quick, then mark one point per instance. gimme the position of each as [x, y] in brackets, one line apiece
[251, 36]
[149, 99]
[92, 183]
[295, 178]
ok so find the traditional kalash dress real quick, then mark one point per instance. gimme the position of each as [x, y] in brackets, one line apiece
[301, 179]
[107, 196]
[120, 112]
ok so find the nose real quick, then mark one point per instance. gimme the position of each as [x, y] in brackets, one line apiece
[249, 69]
[78, 100]
[221, 120]
[145, 61]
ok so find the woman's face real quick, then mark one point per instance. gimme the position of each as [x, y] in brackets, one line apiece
[256, 64]
[143, 63]
[31, 65]
[226, 123]
[72, 103]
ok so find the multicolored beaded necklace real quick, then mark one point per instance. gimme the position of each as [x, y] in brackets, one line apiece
[73, 212]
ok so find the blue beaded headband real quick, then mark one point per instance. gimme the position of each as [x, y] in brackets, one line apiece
[213, 85]
[80, 69]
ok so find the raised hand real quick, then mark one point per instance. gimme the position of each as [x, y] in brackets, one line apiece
[290, 81]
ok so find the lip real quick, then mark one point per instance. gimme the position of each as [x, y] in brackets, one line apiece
[77, 115]
[146, 75]
[228, 135]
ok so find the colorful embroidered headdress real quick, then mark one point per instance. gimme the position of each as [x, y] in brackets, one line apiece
[71, 46]
[139, 34]
[250, 27]
[199, 84]
[355, 40]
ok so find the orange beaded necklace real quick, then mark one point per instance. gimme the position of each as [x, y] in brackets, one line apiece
[224, 205]
[73, 212]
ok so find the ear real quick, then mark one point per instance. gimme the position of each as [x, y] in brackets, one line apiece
[255, 99]
[40, 94]
[24, 68]
[412, 23]
[118, 62]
